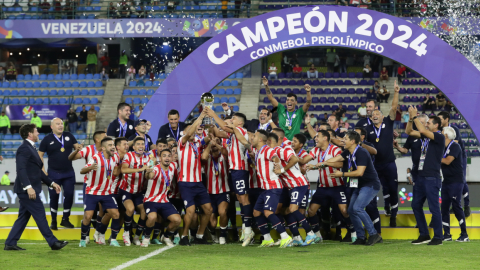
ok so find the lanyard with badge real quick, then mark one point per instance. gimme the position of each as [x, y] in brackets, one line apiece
[378, 131]
[215, 165]
[108, 166]
[61, 142]
[173, 133]
[353, 181]
[423, 155]
[289, 120]
[195, 149]
[123, 128]
[447, 151]
[166, 176]
[264, 128]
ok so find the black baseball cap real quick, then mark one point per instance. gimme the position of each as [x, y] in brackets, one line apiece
[140, 121]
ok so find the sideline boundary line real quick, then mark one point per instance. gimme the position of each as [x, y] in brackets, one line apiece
[142, 258]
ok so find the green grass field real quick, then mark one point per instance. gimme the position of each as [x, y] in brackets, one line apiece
[327, 255]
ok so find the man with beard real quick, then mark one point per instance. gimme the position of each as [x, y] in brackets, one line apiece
[264, 121]
[122, 126]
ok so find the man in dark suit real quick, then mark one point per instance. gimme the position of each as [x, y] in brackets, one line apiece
[173, 129]
[28, 186]
[122, 126]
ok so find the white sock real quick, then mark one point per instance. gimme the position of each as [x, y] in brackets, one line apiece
[284, 235]
[177, 235]
[318, 234]
[298, 238]
[354, 234]
[248, 230]
[199, 236]
[267, 237]
[310, 233]
[243, 226]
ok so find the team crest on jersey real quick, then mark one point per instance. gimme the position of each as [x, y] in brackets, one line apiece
[185, 202]
[67, 138]
[123, 198]
[415, 140]
[130, 127]
[84, 206]
[147, 211]
[371, 132]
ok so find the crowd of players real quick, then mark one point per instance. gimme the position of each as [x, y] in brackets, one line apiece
[202, 170]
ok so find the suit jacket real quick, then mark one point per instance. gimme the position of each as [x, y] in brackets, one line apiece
[29, 169]
[164, 132]
[114, 129]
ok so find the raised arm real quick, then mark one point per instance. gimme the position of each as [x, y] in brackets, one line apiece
[399, 148]
[217, 119]
[240, 136]
[409, 129]
[310, 129]
[309, 98]
[305, 160]
[269, 93]
[371, 150]
[191, 130]
[76, 154]
[206, 151]
[393, 109]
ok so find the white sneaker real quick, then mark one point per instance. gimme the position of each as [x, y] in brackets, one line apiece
[136, 240]
[145, 242]
[101, 239]
[248, 239]
[214, 239]
[222, 241]
[167, 241]
[126, 239]
[95, 236]
[87, 240]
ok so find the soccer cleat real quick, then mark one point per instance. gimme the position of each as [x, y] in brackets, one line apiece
[248, 239]
[114, 243]
[214, 239]
[373, 239]
[447, 237]
[156, 242]
[467, 211]
[242, 237]
[101, 239]
[136, 240]
[285, 242]
[126, 239]
[167, 241]
[463, 238]
[222, 241]
[83, 243]
[66, 223]
[296, 243]
[387, 211]
[184, 241]
[95, 236]
[309, 240]
[359, 242]
[318, 238]
[265, 243]
[422, 239]
[176, 240]
[201, 241]
[53, 226]
[435, 242]
[145, 242]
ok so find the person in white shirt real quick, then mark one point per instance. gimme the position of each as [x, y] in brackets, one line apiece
[272, 72]
[409, 176]
[362, 111]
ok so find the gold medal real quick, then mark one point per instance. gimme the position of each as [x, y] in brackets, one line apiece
[216, 173]
[108, 177]
[168, 187]
[378, 139]
[289, 128]
[151, 156]
[62, 149]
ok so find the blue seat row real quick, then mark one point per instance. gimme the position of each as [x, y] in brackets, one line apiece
[51, 101]
[141, 92]
[76, 92]
[228, 91]
[58, 77]
[59, 84]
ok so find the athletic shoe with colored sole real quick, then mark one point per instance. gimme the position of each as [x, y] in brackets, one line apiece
[114, 243]
[266, 243]
[285, 242]
[309, 240]
[248, 239]
[83, 243]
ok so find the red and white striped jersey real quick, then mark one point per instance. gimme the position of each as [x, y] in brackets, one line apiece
[263, 158]
[286, 142]
[302, 154]
[293, 177]
[87, 153]
[133, 182]
[255, 181]
[158, 187]
[98, 183]
[216, 170]
[116, 180]
[190, 162]
[237, 151]
[325, 180]
[174, 192]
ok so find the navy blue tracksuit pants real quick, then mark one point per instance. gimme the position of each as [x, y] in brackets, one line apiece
[387, 172]
[67, 181]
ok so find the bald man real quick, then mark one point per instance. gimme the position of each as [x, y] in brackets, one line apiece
[58, 145]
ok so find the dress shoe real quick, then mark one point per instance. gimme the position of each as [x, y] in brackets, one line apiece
[3, 209]
[66, 223]
[13, 248]
[59, 245]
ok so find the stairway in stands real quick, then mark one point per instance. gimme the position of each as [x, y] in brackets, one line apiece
[108, 109]
[250, 94]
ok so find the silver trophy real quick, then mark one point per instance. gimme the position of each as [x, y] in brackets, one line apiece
[207, 101]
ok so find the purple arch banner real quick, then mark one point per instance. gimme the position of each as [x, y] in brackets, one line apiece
[311, 26]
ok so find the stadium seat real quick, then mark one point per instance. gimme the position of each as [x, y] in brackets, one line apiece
[86, 101]
[14, 93]
[22, 93]
[100, 92]
[73, 77]
[67, 84]
[51, 77]
[150, 92]
[81, 77]
[76, 92]
[97, 84]
[63, 101]
[37, 93]
[54, 101]
[92, 84]
[135, 92]
[44, 85]
[69, 92]
[45, 93]
[84, 92]
[92, 92]
[94, 101]
[142, 92]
